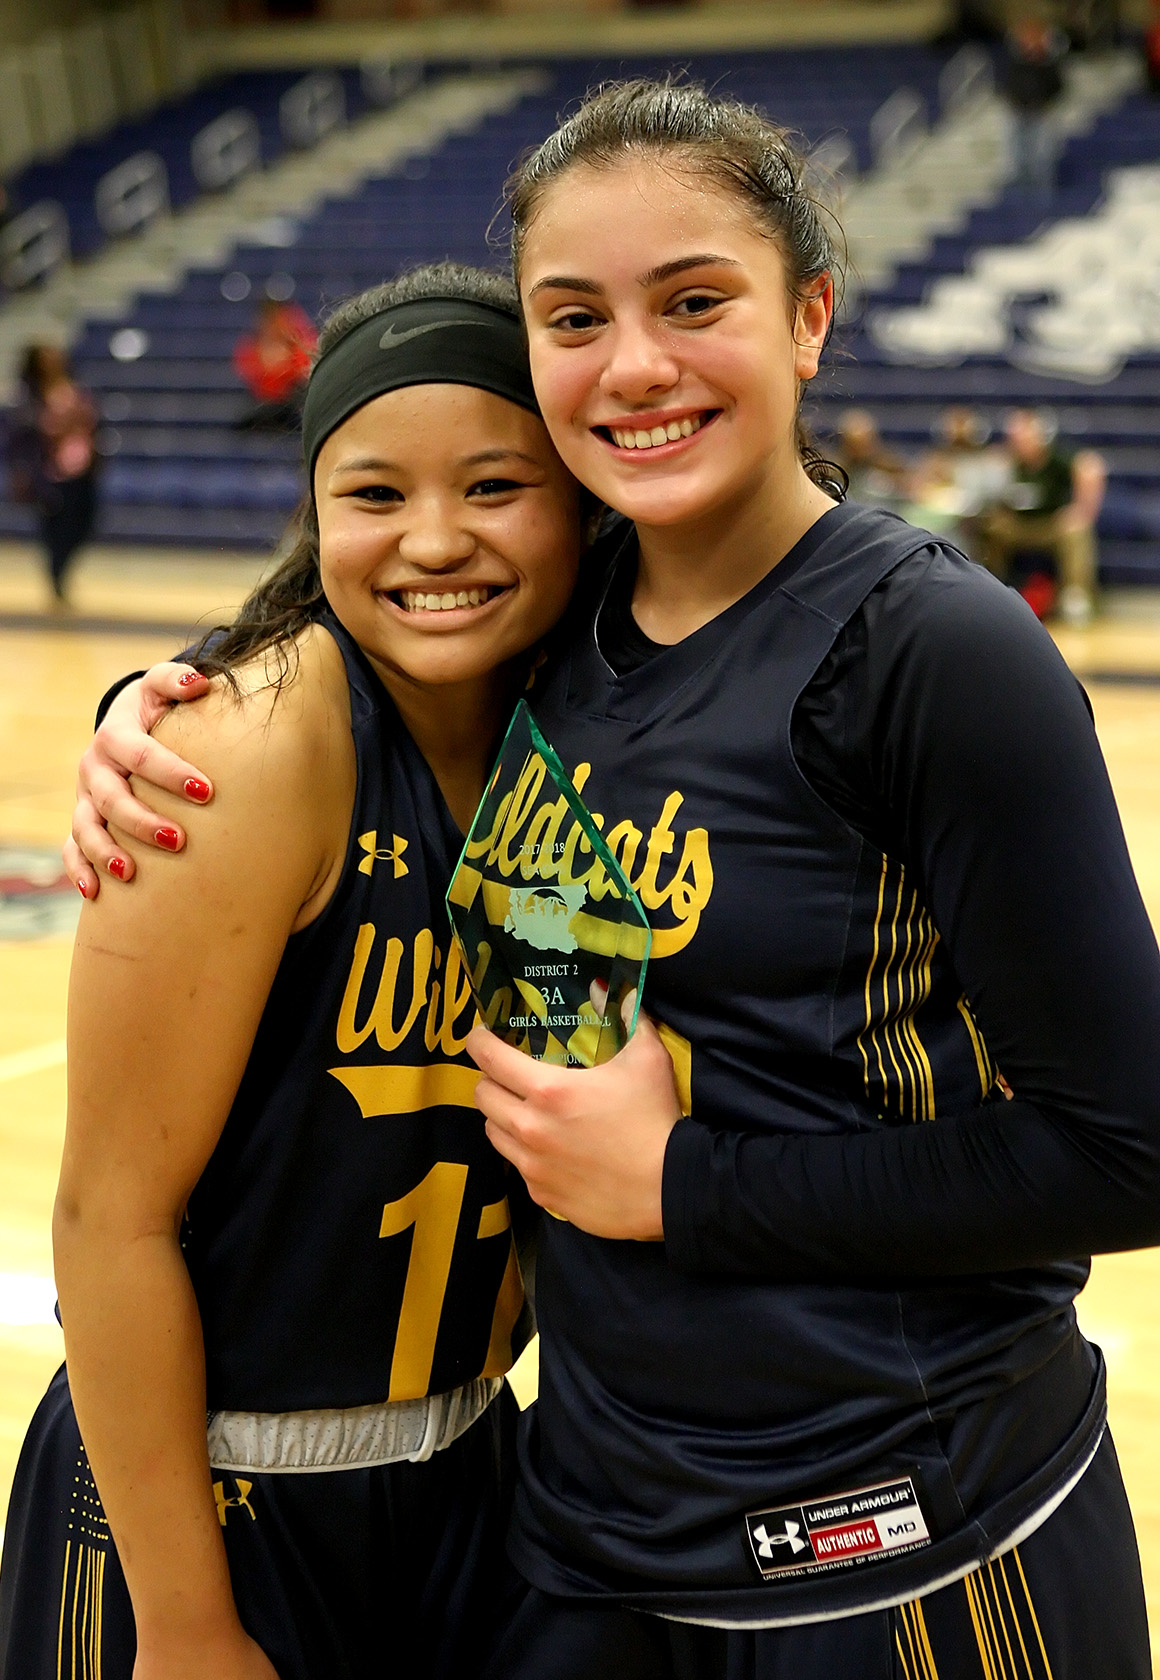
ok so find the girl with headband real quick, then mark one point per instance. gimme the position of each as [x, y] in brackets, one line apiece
[277, 1202]
[813, 1399]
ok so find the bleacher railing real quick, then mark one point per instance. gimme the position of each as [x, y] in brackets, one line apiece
[898, 126]
[33, 244]
[225, 149]
[135, 191]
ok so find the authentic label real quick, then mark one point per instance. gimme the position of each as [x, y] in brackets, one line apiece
[840, 1532]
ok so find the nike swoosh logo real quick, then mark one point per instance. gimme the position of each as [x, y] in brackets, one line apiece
[391, 338]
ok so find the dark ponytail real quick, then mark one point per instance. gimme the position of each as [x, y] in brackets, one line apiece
[732, 144]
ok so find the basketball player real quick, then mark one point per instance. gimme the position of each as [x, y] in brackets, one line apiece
[277, 1200]
[813, 1397]
[813, 1400]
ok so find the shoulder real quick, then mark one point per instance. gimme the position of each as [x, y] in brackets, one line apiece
[945, 640]
[287, 718]
[939, 635]
[280, 753]
[937, 600]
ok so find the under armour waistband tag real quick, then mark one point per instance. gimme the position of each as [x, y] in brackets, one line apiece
[843, 1531]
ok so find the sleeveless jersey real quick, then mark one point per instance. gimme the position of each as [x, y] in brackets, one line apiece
[734, 1450]
[350, 1240]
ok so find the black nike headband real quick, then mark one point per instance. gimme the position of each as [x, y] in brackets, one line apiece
[433, 341]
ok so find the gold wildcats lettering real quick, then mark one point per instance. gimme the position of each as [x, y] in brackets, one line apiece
[541, 839]
[390, 1005]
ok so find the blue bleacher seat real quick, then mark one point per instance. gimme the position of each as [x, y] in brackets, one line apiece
[168, 413]
[1119, 416]
[169, 131]
[176, 472]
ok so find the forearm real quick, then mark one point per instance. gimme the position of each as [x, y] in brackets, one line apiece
[1089, 481]
[137, 1373]
[997, 1190]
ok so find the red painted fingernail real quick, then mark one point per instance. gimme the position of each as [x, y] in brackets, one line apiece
[117, 867]
[188, 679]
[168, 837]
[195, 788]
[82, 889]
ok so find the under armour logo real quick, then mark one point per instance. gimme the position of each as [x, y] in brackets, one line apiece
[382, 854]
[242, 1500]
[766, 1541]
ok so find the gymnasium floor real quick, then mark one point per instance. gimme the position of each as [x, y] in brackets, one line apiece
[129, 611]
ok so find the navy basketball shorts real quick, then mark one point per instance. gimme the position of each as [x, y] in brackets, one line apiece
[1066, 1604]
[396, 1571]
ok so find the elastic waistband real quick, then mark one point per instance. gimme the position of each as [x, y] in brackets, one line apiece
[348, 1438]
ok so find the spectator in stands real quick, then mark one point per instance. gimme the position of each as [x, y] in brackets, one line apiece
[959, 478]
[1033, 85]
[1051, 501]
[52, 457]
[274, 361]
[876, 474]
[1152, 48]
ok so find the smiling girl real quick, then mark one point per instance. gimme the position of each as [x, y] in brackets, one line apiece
[813, 1398]
[827, 1411]
[276, 1200]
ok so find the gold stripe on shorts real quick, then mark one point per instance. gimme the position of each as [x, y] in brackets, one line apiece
[1007, 1632]
[913, 1643]
[80, 1628]
[1008, 1640]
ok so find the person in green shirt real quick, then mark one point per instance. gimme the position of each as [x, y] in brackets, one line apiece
[1050, 502]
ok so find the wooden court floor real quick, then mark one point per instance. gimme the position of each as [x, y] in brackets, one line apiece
[51, 674]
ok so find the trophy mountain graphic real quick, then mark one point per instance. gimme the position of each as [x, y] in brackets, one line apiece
[541, 916]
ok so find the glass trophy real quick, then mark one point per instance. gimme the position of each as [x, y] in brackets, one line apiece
[551, 932]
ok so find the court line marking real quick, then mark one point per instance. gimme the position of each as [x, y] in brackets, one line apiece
[180, 633]
[1124, 679]
[36, 1060]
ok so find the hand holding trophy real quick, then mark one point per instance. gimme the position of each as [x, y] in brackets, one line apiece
[552, 934]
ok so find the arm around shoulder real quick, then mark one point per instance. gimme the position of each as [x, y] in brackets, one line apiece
[122, 746]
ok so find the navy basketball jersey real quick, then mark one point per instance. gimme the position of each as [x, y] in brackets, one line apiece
[691, 1428]
[350, 1239]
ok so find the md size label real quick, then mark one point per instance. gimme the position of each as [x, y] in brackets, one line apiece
[840, 1532]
